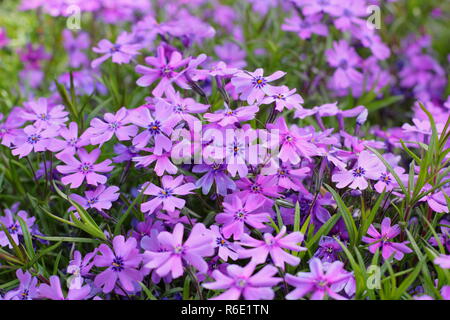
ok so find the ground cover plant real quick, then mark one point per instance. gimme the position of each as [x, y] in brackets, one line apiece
[193, 149]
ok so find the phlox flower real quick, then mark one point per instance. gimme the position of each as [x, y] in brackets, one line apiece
[283, 98]
[328, 249]
[120, 52]
[348, 13]
[70, 142]
[368, 166]
[11, 223]
[324, 279]
[310, 7]
[443, 236]
[387, 182]
[384, 240]
[198, 245]
[85, 168]
[121, 262]
[305, 27]
[166, 195]
[436, 200]
[214, 173]
[238, 213]
[27, 289]
[157, 128]
[260, 189]
[101, 198]
[33, 138]
[345, 59]
[79, 267]
[228, 116]
[162, 162]
[287, 176]
[163, 70]
[240, 281]
[443, 261]
[252, 85]
[9, 128]
[117, 124]
[54, 291]
[227, 249]
[274, 246]
[43, 115]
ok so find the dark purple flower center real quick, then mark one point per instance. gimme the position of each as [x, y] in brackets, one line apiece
[114, 125]
[86, 167]
[221, 242]
[115, 48]
[34, 138]
[359, 172]
[279, 96]
[385, 178]
[255, 188]
[92, 201]
[259, 82]
[240, 215]
[179, 108]
[24, 294]
[155, 127]
[165, 193]
[117, 264]
[72, 142]
[179, 249]
[43, 117]
[343, 64]
[166, 72]
[12, 229]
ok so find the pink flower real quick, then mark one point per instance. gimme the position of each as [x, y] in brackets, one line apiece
[348, 13]
[101, 198]
[102, 131]
[252, 85]
[173, 251]
[82, 169]
[238, 213]
[322, 280]
[443, 261]
[227, 249]
[240, 281]
[54, 291]
[368, 166]
[436, 200]
[33, 138]
[384, 240]
[305, 27]
[166, 195]
[164, 70]
[120, 52]
[283, 98]
[274, 246]
[12, 224]
[162, 162]
[345, 59]
[122, 264]
[43, 115]
[71, 142]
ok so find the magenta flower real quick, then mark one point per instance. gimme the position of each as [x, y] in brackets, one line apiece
[163, 70]
[162, 162]
[27, 289]
[9, 128]
[167, 194]
[238, 213]
[33, 138]
[368, 166]
[345, 59]
[157, 128]
[122, 263]
[283, 98]
[79, 267]
[384, 240]
[214, 173]
[443, 261]
[82, 169]
[12, 224]
[322, 280]
[260, 189]
[310, 7]
[43, 115]
[436, 200]
[227, 116]
[101, 198]
[273, 246]
[54, 291]
[349, 13]
[70, 143]
[102, 131]
[120, 52]
[227, 249]
[305, 27]
[199, 244]
[293, 144]
[252, 85]
[240, 281]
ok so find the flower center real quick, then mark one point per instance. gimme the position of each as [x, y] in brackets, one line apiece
[86, 167]
[24, 294]
[259, 82]
[240, 215]
[166, 71]
[154, 127]
[178, 249]
[385, 178]
[358, 172]
[256, 188]
[115, 48]
[114, 125]
[165, 193]
[34, 138]
[241, 283]
[43, 117]
[117, 264]
[221, 242]
[13, 228]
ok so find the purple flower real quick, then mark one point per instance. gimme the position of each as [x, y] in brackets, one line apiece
[214, 173]
[368, 166]
[436, 200]
[227, 249]
[349, 13]
[162, 162]
[163, 70]
[345, 59]
[102, 131]
[252, 85]
[443, 261]
[82, 169]
[231, 54]
[227, 116]
[238, 213]
[283, 98]
[101, 198]
[74, 46]
[273, 246]
[33, 138]
[240, 281]
[79, 267]
[328, 249]
[120, 52]
[43, 115]
[71, 142]
[12, 224]
[166, 195]
[305, 27]
[310, 7]
[27, 289]
[199, 244]
[54, 292]
[122, 263]
[384, 240]
[322, 280]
